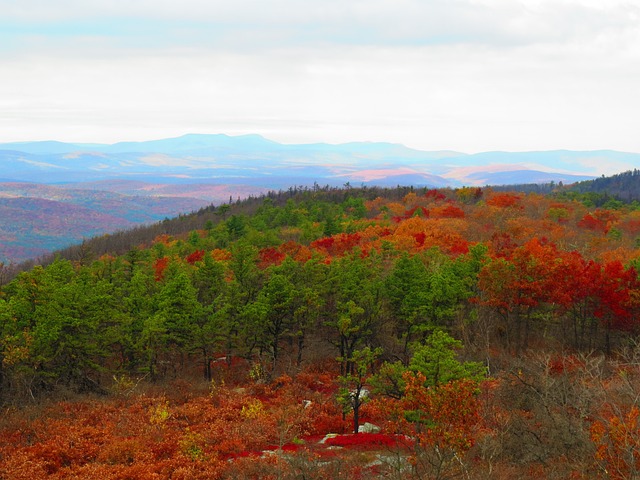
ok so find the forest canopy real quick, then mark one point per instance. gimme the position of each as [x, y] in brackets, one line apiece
[429, 300]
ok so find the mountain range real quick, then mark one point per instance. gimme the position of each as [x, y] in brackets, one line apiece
[53, 194]
[254, 160]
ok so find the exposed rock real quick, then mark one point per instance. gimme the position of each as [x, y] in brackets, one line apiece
[368, 428]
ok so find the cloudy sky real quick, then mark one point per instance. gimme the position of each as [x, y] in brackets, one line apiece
[466, 75]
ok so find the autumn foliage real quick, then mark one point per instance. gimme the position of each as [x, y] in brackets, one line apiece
[223, 352]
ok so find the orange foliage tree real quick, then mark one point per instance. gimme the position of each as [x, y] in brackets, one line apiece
[617, 441]
[442, 420]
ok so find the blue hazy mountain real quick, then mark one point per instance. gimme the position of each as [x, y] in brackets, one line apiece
[517, 177]
[255, 160]
[53, 194]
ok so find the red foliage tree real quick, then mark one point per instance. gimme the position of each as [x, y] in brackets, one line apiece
[590, 222]
[195, 257]
[600, 220]
[417, 211]
[159, 266]
[618, 299]
[502, 245]
[447, 211]
[337, 245]
[504, 200]
[631, 226]
[434, 194]
[270, 256]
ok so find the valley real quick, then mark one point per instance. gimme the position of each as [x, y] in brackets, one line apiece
[55, 194]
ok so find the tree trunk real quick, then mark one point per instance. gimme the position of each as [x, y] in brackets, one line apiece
[300, 348]
[356, 411]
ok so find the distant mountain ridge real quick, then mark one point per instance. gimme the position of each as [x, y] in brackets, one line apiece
[259, 161]
[53, 194]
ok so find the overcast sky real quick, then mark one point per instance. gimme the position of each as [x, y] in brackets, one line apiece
[466, 75]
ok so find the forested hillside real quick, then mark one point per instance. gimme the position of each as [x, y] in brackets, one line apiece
[36, 219]
[84, 190]
[625, 186]
[488, 334]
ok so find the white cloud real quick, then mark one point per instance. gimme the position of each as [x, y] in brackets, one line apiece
[362, 22]
[439, 74]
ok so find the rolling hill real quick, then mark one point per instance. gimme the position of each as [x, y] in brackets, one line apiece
[53, 194]
[36, 219]
[254, 160]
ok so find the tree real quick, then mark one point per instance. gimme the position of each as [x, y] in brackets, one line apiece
[74, 321]
[176, 310]
[443, 420]
[136, 307]
[355, 289]
[308, 296]
[15, 352]
[407, 287]
[236, 226]
[519, 284]
[618, 299]
[617, 441]
[425, 291]
[273, 312]
[436, 360]
[208, 280]
[234, 314]
[353, 394]
[223, 210]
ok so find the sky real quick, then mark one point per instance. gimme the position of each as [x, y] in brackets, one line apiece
[464, 75]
